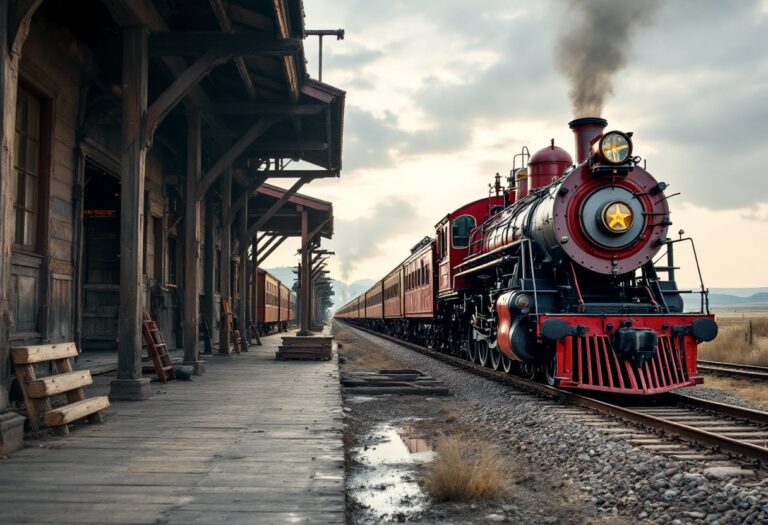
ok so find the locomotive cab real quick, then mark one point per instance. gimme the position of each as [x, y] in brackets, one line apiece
[455, 235]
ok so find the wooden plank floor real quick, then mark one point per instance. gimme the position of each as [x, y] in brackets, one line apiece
[254, 440]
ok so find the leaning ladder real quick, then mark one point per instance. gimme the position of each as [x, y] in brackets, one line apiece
[157, 350]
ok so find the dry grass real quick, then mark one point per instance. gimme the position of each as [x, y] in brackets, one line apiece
[459, 473]
[733, 342]
[753, 391]
[449, 415]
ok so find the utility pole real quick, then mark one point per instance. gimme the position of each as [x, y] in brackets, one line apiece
[320, 33]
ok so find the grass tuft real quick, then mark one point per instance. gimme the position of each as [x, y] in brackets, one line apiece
[459, 474]
[732, 344]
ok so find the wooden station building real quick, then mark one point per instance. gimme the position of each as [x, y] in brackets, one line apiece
[137, 138]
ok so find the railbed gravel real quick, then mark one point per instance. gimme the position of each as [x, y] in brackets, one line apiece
[721, 396]
[618, 478]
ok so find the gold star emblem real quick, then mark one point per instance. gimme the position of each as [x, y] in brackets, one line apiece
[617, 217]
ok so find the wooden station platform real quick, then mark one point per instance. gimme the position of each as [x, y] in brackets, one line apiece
[254, 440]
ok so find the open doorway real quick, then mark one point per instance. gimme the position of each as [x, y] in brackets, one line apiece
[101, 259]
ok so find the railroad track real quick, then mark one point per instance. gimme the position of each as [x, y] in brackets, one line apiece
[726, 429]
[755, 373]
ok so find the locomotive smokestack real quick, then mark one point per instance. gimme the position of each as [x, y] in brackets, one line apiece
[585, 130]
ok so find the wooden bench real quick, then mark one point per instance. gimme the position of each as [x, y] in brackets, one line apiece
[38, 392]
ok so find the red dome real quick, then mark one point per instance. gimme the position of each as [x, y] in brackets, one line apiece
[551, 154]
[548, 164]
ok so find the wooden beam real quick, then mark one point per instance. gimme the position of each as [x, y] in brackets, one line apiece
[133, 163]
[19, 17]
[263, 257]
[179, 89]
[315, 232]
[276, 206]
[287, 146]
[246, 194]
[219, 8]
[234, 152]
[269, 242]
[250, 18]
[194, 43]
[289, 62]
[305, 174]
[192, 241]
[262, 108]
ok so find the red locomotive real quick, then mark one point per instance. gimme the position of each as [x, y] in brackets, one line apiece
[554, 276]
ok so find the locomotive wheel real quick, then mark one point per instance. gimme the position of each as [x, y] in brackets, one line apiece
[482, 353]
[506, 363]
[472, 351]
[527, 371]
[495, 358]
[550, 370]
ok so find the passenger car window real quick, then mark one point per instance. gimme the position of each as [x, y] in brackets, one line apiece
[461, 228]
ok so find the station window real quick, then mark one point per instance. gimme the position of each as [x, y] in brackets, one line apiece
[27, 164]
[462, 227]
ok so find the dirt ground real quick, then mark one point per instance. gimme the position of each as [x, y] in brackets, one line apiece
[385, 484]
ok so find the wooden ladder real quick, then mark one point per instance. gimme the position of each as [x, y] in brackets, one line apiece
[157, 350]
[232, 343]
[40, 391]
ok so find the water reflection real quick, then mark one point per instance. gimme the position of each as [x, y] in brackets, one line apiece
[386, 483]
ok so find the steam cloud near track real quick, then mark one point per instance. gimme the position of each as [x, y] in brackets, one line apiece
[591, 50]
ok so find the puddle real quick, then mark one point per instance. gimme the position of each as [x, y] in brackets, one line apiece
[360, 399]
[384, 480]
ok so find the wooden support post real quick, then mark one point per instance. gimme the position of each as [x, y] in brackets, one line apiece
[255, 286]
[226, 257]
[191, 325]
[243, 278]
[305, 278]
[209, 271]
[129, 383]
[9, 75]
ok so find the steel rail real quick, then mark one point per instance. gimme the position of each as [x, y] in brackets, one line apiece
[687, 432]
[734, 369]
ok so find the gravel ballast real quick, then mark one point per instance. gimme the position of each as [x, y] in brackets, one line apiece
[618, 478]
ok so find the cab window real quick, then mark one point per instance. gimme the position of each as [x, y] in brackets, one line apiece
[461, 228]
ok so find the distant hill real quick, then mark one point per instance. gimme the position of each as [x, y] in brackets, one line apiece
[720, 298]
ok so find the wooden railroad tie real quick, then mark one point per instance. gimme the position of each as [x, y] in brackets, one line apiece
[299, 348]
[157, 351]
[39, 392]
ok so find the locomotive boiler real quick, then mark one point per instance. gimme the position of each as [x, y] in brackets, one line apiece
[555, 275]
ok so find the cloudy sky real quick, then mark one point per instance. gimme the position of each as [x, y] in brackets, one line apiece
[442, 93]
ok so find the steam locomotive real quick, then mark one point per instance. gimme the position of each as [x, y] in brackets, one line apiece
[553, 276]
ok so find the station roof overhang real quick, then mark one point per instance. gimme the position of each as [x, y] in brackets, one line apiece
[287, 219]
[262, 79]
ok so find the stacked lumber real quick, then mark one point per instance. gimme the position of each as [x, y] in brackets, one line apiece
[310, 348]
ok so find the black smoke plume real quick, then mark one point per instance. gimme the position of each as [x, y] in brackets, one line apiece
[595, 46]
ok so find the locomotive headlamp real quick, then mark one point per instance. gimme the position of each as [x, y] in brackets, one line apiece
[617, 217]
[615, 147]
